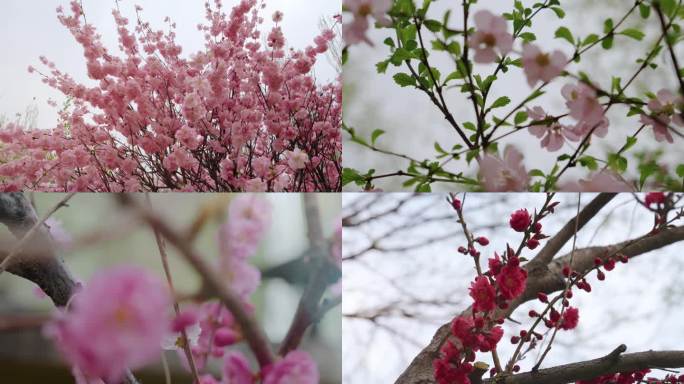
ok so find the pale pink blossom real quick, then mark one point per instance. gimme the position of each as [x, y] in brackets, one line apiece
[583, 104]
[354, 32]
[117, 321]
[491, 37]
[297, 367]
[552, 133]
[540, 65]
[504, 175]
[249, 217]
[663, 112]
[604, 181]
[297, 159]
[159, 119]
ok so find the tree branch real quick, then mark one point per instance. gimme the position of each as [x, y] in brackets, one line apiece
[324, 274]
[612, 363]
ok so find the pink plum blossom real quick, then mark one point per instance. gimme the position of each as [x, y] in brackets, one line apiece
[355, 31]
[542, 66]
[490, 38]
[297, 367]
[504, 175]
[236, 369]
[553, 134]
[604, 181]
[583, 104]
[117, 321]
[249, 217]
[663, 111]
[297, 159]
[154, 118]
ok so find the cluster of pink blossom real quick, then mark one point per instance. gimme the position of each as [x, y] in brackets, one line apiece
[240, 115]
[355, 31]
[123, 317]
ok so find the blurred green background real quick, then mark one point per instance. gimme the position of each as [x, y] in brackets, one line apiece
[104, 235]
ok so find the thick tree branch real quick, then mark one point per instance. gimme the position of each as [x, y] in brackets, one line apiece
[612, 363]
[36, 260]
[541, 279]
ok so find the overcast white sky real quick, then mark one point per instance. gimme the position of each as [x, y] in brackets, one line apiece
[29, 29]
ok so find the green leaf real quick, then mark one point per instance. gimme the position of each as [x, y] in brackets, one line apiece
[536, 172]
[439, 149]
[680, 170]
[376, 133]
[589, 162]
[424, 188]
[607, 43]
[404, 79]
[564, 33]
[633, 33]
[590, 39]
[644, 10]
[351, 175]
[559, 12]
[617, 163]
[433, 25]
[520, 117]
[381, 67]
[501, 102]
[630, 143]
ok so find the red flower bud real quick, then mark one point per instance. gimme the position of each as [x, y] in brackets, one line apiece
[482, 240]
[600, 275]
[542, 297]
[537, 227]
[532, 243]
[520, 220]
[515, 340]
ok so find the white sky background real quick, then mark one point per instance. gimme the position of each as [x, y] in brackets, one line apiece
[637, 304]
[29, 29]
[413, 124]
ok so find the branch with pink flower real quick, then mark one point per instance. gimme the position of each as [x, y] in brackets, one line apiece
[487, 47]
[124, 317]
[245, 113]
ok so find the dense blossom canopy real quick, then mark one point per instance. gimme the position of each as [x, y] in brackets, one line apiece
[243, 114]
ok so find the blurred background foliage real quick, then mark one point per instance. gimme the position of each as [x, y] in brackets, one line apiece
[103, 235]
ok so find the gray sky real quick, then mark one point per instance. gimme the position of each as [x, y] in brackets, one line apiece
[29, 29]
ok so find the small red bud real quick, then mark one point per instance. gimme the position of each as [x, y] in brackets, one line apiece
[600, 275]
[537, 227]
[532, 243]
[516, 368]
[568, 294]
[462, 250]
[515, 340]
[456, 203]
[542, 297]
[566, 271]
[482, 240]
[533, 313]
[598, 261]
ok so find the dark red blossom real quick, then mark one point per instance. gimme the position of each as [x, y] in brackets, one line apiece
[655, 198]
[520, 220]
[484, 294]
[570, 319]
[511, 281]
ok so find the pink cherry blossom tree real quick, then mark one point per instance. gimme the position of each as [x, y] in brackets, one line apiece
[457, 56]
[246, 113]
[512, 288]
[122, 318]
